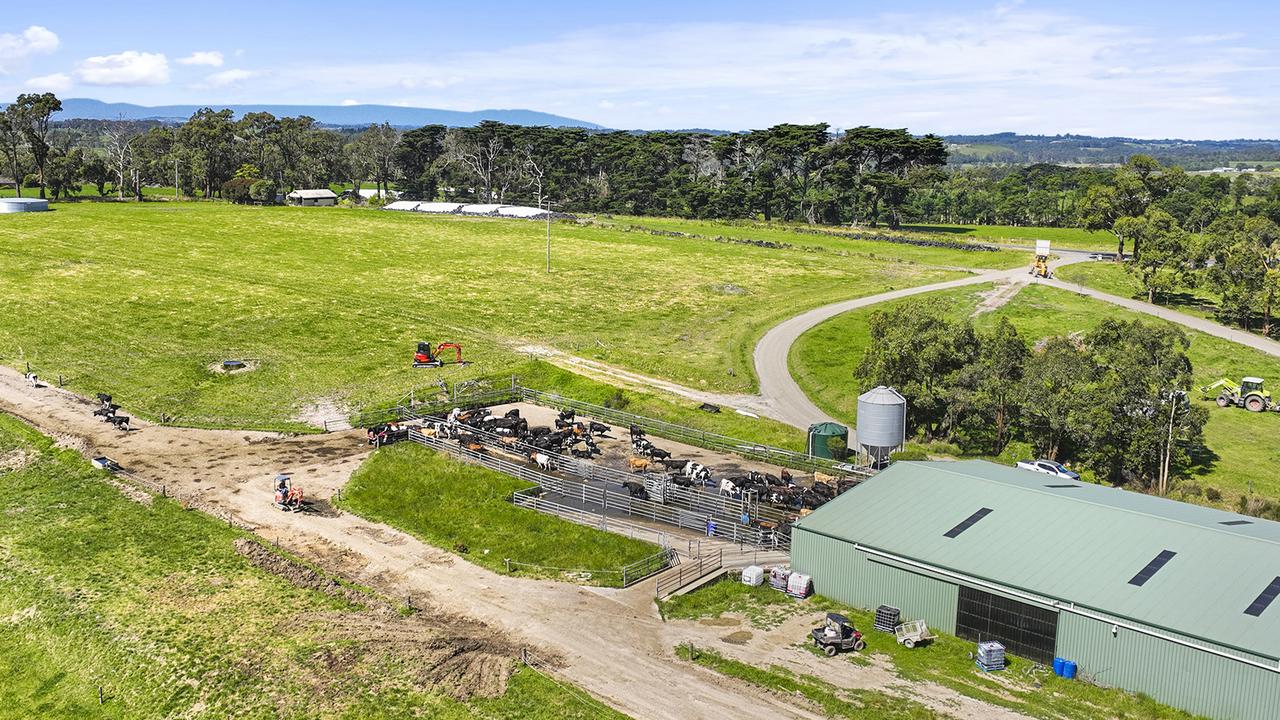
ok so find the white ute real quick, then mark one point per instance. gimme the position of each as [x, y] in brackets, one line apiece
[1048, 467]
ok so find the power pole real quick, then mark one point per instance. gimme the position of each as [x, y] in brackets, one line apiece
[548, 234]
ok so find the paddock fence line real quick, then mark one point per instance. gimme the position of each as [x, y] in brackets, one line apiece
[696, 568]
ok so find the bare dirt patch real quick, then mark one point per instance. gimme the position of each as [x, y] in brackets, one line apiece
[997, 297]
[317, 412]
[246, 366]
[450, 654]
[738, 637]
[15, 460]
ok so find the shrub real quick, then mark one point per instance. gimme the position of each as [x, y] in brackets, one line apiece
[909, 454]
[263, 191]
[838, 447]
[617, 400]
[237, 190]
[1212, 493]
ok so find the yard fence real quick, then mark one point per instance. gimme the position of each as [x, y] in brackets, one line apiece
[696, 568]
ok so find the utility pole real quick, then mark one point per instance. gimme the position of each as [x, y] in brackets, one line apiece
[548, 234]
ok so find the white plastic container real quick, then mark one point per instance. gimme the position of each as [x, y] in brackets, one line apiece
[799, 586]
[753, 575]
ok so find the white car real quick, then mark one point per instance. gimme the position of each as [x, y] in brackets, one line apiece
[1048, 467]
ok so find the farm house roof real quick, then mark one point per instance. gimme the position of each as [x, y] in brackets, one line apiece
[312, 194]
[1187, 568]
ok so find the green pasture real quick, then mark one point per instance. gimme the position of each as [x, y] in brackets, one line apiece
[153, 604]
[1066, 238]
[826, 239]
[1112, 278]
[140, 300]
[457, 506]
[1243, 444]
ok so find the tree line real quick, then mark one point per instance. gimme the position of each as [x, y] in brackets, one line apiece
[1110, 400]
[788, 172]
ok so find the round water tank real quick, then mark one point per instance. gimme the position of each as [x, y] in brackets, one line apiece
[820, 435]
[17, 205]
[882, 415]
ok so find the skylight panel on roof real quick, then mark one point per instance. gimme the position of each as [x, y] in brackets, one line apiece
[1236, 522]
[968, 523]
[1058, 487]
[1152, 568]
[1263, 600]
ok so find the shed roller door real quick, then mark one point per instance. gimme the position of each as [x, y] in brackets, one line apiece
[1025, 630]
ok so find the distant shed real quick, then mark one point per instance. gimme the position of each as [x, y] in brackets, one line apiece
[312, 198]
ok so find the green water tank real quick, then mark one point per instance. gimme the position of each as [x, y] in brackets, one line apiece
[820, 433]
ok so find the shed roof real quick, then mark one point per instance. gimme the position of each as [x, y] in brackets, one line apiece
[313, 194]
[1073, 542]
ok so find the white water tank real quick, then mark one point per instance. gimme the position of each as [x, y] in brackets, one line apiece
[17, 205]
[882, 422]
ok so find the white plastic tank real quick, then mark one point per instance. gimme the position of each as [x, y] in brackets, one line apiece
[882, 422]
[17, 205]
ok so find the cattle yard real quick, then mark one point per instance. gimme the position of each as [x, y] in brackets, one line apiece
[622, 476]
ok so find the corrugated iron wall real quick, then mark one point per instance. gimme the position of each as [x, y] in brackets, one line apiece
[848, 575]
[1170, 673]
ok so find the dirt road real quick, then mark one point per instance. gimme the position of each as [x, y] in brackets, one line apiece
[612, 643]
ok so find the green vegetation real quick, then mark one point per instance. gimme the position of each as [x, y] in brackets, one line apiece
[1067, 238]
[153, 604]
[1241, 444]
[328, 302]
[452, 505]
[834, 702]
[945, 661]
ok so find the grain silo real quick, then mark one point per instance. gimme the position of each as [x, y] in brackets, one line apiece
[882, 422]
[17, 205]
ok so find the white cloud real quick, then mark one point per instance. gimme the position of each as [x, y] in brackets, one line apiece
[349, 102]
[227, 78]
[212, 58]
[55, 83]
[127, 68]
[944, 72]
[35, 40]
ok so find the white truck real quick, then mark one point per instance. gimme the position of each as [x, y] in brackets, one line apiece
[1048, 467]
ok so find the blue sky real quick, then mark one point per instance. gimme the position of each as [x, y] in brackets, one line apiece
[1143, 69]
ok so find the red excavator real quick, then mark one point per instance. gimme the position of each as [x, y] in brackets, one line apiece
[425, 357]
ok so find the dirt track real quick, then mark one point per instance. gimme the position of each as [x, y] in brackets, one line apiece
[610, 642]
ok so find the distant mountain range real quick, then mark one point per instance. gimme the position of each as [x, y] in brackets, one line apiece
[348, 115]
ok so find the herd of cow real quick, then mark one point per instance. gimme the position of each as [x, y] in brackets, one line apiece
[109, 412]
[577, 438]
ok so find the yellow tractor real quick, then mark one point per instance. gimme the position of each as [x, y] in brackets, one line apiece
[1040, 268]
[1249, 394]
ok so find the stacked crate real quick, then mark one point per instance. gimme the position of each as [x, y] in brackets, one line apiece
[990, 656]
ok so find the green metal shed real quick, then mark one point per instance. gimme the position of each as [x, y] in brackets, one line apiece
[1149, 594]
